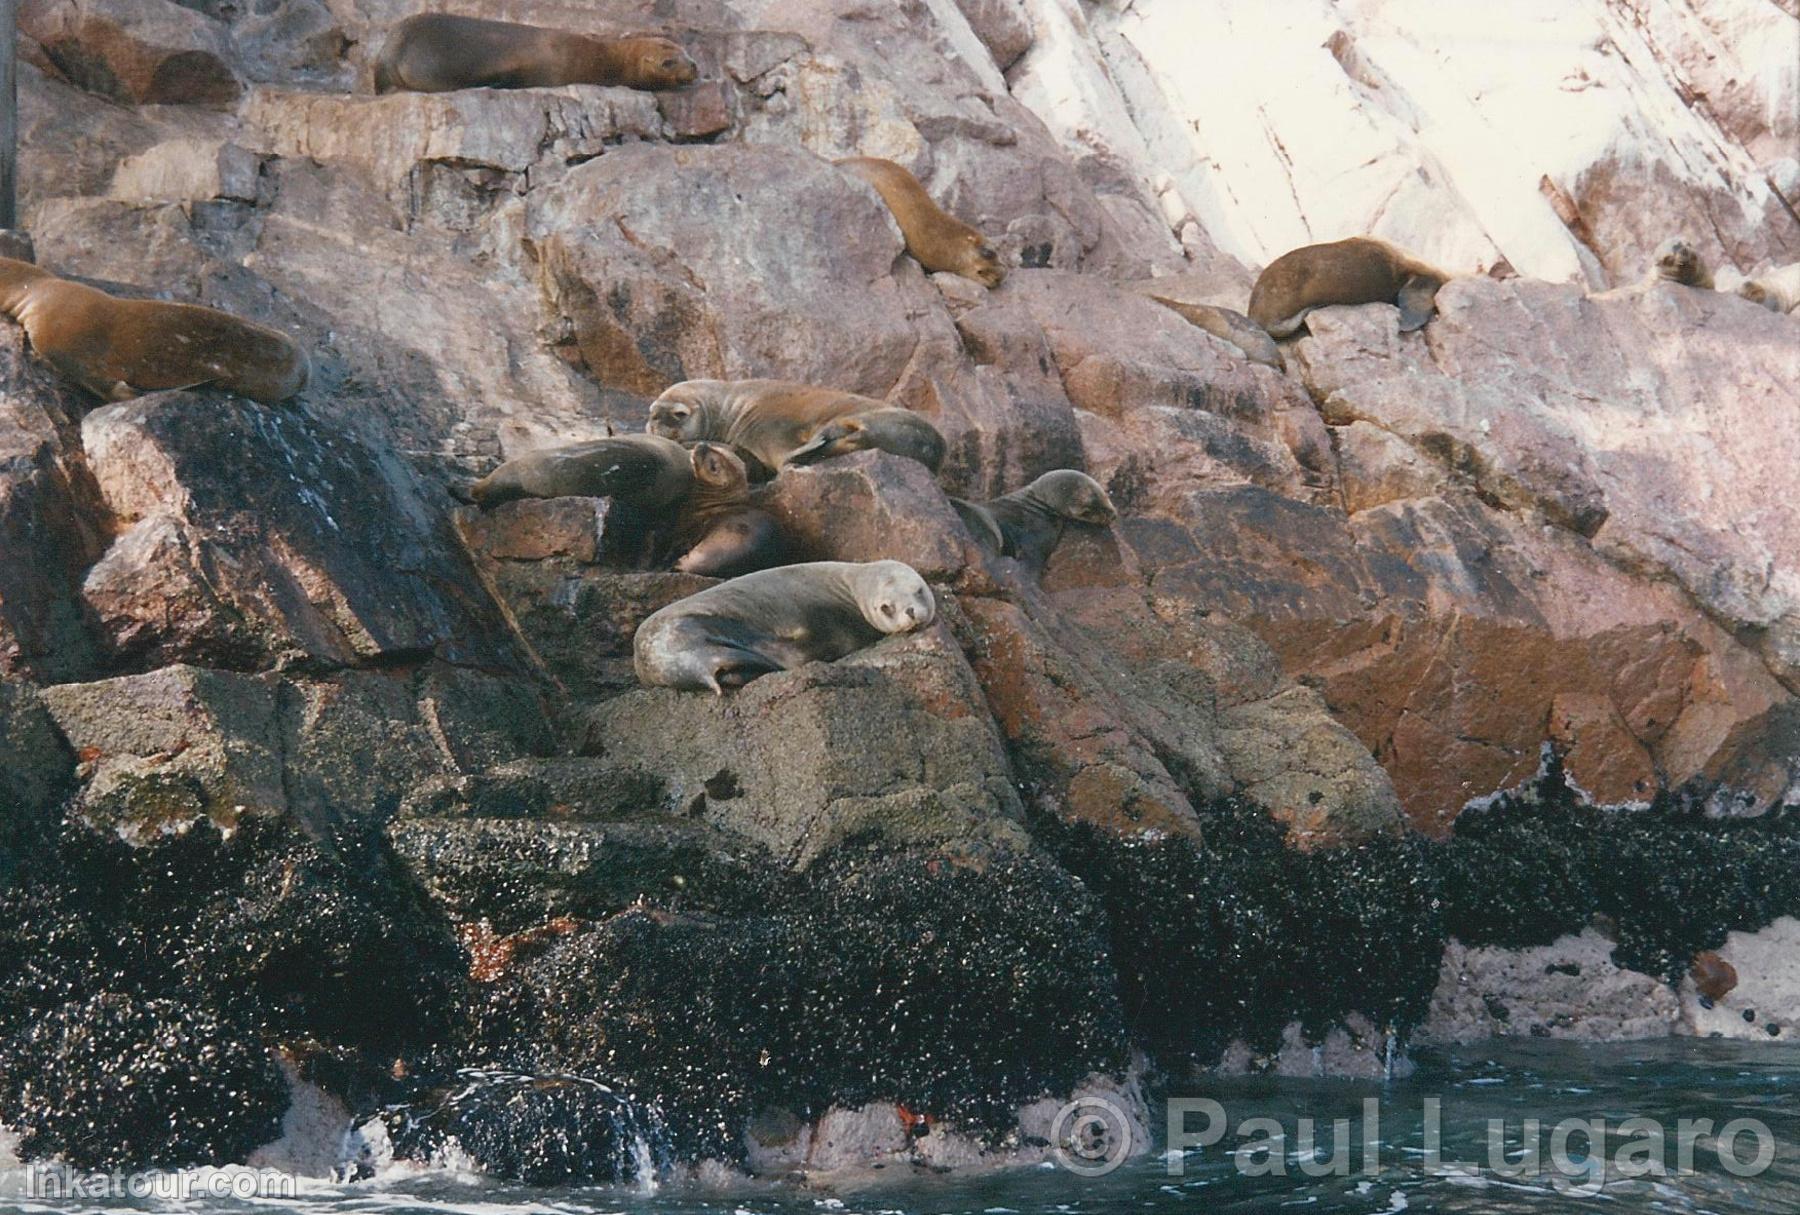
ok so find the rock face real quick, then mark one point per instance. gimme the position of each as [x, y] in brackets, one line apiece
[1354, 588]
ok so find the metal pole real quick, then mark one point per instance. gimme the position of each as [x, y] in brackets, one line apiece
[9, 113]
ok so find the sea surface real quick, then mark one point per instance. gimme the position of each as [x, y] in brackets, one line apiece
[1459, 1100]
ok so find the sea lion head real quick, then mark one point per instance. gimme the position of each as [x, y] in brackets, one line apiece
[718, 467]
[982, 263]
[1756, 293]
[1678, 261]
[680, 413]
[1076, 496]
[662, 64]
[893, 598]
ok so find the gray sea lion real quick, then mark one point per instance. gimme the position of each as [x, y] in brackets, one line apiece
[1677, 261]
[774, 620]
[765, 418]
[1777, 289]
[692, 504]
[1360, 270]
[118, 348]
[900, 431]
[438, 52]
[646, 470]
[936, 239]
[1028, 523]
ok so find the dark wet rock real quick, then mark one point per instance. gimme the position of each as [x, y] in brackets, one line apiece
[516, 873]
[559, 787]
[542, 1130]
[1235, 936]
[913, 977]
[117, 1081]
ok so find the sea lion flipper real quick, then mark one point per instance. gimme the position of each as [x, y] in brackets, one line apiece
[1417, 301]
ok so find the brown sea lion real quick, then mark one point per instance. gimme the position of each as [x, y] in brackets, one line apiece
[766, 419]
[900, 431]
[1677, 261]
[437, 52]
[1777, 289]
[936, 239]
[119, 348]
[774, 620]
[1028, 523]
[717, 532]
[1714, 977]
[736, 543]
[1360, 270]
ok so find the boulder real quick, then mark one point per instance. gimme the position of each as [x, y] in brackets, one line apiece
[255, 538]
[887, 744]
[37, 769]
[189, 170]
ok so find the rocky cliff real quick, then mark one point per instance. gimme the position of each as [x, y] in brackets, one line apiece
[334, 773]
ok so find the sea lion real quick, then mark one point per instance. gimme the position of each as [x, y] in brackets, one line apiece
[690, 503]
[1028, 523]
[936, 239]
[1222, 323]
[1360, 270]
[1677, 261]
[646, 470]
[900, 431]
[1714, 977]
[766, 419]
[736, 543]
[1776, 289]
[774, 620]
[119, 348]
[437, 53]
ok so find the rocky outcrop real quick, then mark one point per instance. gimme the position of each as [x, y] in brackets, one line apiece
[1199, 788]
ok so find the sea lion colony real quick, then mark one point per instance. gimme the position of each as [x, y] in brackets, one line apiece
[691, 476]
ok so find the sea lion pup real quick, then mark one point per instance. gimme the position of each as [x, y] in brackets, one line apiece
[717, 532]
[437, 52]
[1676, 261]
[1028, 523]
[645, 470]
[1777, 289]
[1360, 270]
[900, 431]
[119, 348]
[936, 239]
[765, 418]
[774, 620]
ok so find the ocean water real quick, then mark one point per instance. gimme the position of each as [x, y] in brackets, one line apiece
[1595, 1103]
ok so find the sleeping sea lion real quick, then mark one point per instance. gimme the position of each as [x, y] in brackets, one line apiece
[691, 503]
[900, 431]
[774, 620]
[1776, 289]
[437, 52]
[1028, 523]
[1360, 270]
[936, 239]
[119, 348]
[766, 419]
[645, 470]
[1224, 324]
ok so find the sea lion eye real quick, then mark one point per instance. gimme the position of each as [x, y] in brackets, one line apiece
[887, 609]
[987, 251]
